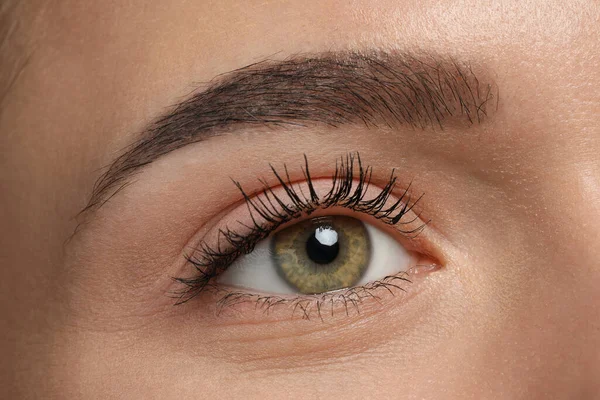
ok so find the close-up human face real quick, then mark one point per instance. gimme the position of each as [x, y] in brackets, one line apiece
[289, 199]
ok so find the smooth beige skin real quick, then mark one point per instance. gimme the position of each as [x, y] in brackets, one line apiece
[515, 205]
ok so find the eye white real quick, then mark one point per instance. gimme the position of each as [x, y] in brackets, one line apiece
[257, 271]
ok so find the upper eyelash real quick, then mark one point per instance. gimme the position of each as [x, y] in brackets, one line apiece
[346, 191]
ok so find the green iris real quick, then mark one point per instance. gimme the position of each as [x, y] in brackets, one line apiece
[322, 254]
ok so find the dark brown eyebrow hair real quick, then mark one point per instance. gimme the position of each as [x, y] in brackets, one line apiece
[328, 89]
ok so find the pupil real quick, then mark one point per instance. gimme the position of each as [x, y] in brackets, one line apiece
[323, 246]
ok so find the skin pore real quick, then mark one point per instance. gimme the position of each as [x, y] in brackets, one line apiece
[513, 200]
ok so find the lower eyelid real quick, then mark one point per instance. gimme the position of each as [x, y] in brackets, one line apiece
[226, 302]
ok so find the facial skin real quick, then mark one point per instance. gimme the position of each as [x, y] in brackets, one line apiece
[514, 202]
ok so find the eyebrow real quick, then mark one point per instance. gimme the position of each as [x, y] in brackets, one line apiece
[376, 89]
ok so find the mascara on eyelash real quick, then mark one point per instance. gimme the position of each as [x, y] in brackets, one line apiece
[347, 191]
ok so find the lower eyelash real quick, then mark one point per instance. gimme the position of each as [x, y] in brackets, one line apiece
[309, 306]
[347, 191]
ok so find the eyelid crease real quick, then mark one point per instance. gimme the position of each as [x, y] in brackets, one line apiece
[268, 211]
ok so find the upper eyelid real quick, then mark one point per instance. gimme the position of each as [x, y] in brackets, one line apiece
[345, 191]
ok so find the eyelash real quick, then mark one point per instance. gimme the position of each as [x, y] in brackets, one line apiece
[347, 191]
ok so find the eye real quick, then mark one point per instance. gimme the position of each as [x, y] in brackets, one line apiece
[319, 255]
[298, 243]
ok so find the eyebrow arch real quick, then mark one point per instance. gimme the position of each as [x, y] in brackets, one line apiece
[375, 89]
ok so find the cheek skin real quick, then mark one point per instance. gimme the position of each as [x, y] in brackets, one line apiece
[271, 349]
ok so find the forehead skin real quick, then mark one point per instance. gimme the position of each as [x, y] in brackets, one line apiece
[100, 71]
